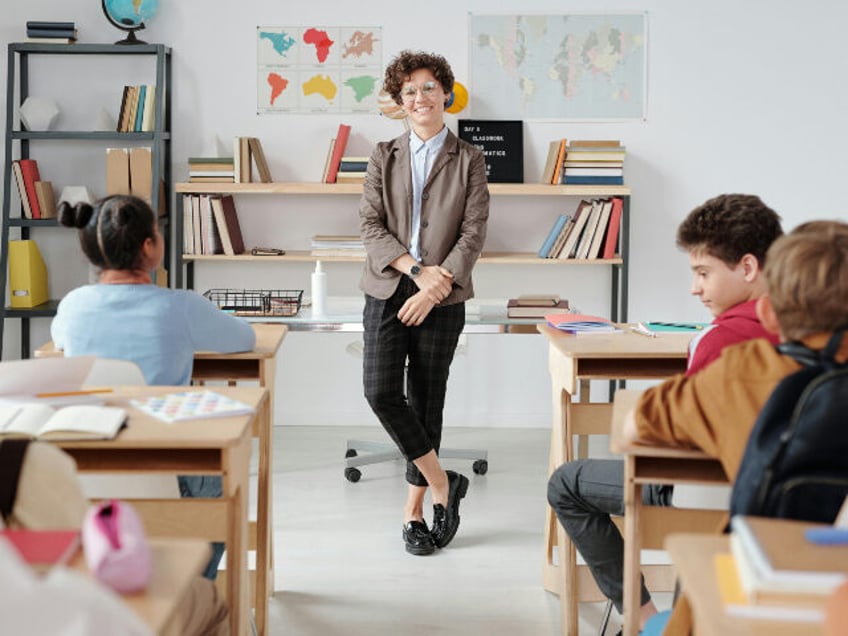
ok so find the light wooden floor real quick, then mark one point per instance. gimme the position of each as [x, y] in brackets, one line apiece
[340, 563]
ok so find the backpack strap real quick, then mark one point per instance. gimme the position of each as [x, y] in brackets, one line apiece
[810, 357]
[12, 453]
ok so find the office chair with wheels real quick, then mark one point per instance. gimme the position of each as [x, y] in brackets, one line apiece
[378, 452]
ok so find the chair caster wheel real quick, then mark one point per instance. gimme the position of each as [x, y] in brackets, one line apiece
[480, 467]
[350, 452]
[352, 474]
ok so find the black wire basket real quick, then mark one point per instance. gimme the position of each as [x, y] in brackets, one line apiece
[257, 302]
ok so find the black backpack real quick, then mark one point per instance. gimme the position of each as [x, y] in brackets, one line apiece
[795, 464]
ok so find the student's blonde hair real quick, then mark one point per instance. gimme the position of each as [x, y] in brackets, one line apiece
[807, 276]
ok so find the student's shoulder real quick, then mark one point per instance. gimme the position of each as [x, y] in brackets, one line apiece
[753, 358]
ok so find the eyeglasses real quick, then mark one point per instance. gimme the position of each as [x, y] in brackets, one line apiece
[408, 93]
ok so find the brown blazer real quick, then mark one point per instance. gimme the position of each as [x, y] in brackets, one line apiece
[454, 213]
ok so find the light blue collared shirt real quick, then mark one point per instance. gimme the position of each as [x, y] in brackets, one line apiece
[422, 155]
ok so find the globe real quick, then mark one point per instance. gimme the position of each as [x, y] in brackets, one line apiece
[130, 16]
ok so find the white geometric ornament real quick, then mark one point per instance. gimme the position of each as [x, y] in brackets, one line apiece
[38, 113]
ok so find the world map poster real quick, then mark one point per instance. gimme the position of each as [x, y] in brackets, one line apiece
[563, 67]
[316, 69]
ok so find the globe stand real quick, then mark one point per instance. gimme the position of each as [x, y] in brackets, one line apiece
[131, 39]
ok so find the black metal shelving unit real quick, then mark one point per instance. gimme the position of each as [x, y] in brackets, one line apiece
[17, 90]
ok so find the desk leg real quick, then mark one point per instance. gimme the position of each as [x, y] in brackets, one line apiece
[236, 466]
[632, 547]
[264, 552]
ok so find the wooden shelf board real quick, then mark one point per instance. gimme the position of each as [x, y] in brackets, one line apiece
[492, 258]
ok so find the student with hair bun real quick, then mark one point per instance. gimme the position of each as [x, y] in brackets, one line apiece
[125, 316]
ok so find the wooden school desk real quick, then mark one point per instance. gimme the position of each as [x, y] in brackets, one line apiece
[260, 366]
[645, 464]
[215, 445]
[176, 563]
[573, 362]
[693, 556]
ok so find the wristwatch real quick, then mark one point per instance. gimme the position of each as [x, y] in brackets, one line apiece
[414, 270]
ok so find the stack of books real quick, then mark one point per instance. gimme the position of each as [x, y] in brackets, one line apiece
[137, 112]
[337, 245]
[210, 169]
[38, 200]
[593, 162]
[535, 305]
[47, 32]
[591, 232]
[211, 225]
[775, 572]
[352, 170]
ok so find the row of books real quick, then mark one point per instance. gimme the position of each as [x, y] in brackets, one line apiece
[335, 154]
[211, 225]
[337, 245]
[49, 32]
[774, 571]
[352, 169]
[591, 232]
[585, 162]
[38, 200]
[137, 112]
[247, 152]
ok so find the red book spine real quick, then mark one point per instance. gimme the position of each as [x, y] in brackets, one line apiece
[338, 152]
[612, 228]
[29, 168]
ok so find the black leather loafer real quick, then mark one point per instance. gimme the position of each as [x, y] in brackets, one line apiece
[446, 518]
[417, 538]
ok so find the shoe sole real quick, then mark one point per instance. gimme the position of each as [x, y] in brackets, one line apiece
[461, 490]
[420, 551]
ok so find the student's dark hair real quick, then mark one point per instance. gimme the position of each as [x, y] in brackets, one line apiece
[406, 62]
[112, 231]
[730, 226]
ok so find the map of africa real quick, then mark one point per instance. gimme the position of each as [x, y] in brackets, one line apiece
[318, 69]
[558, 66]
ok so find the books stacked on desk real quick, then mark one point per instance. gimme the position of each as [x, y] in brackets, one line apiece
[49, 32]
[594, 162]
[774, 572]
[337, 245]
[535, 305]
[591, 232]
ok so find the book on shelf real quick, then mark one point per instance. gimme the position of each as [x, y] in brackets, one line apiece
[515, 310]
[581, 217]
[337, 245]
[353, 164]
[208, 163]
[139, 113]
[191, 405]
[550, 162]
[601, 230]
[211, 173]
[562, 238]
[29, 169]
[556, 177]
[46, 199]
[596, 143]
[344, 178]
[581, 323]
[79, 421]
[148, 119]
[572, 180]
[326, 171]
[51, 25]
[258, 156]
[502, 145]
[736, 602]
[611, 238]
[613, 171]
[221, 178]
[22, 193]
[209, 237]
[51, 40]
[342, 135]
[226, 219]
[595, 154]
[53, 34]
[535, 300]
[188, 226]
[606, 165]
[582, 251]
[195, 224]
[548, 243]
[43, 549]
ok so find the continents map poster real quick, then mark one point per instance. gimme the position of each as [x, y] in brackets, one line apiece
[315, 69]
[564, 67]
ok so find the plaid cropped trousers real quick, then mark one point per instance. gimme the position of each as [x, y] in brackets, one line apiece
[412, 418]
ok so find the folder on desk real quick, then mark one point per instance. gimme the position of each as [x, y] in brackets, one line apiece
[27, 275]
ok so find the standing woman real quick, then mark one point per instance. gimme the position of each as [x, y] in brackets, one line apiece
[423, 219]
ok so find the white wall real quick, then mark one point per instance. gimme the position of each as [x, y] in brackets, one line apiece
[742, 96]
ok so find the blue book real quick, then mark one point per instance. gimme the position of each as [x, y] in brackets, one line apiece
[573, 180]
[552, 236]
[140, 112]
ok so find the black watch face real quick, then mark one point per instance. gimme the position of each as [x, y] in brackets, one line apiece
[414, 270]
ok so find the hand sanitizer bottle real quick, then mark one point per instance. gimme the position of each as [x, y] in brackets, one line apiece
[319, 291]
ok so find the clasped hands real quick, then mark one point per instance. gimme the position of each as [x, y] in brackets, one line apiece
[434, 285]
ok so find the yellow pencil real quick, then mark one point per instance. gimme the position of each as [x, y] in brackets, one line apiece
[69, 393]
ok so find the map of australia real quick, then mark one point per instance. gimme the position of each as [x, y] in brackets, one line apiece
[316, 69]
[558, 66]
